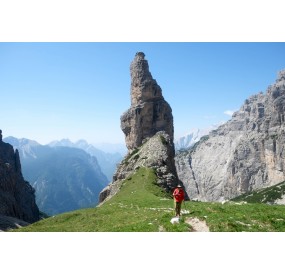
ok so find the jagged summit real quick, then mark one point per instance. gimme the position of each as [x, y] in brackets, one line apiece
[143, 86]
[281, 76]
[149, 112]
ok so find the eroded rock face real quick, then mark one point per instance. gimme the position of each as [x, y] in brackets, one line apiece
[245, 154]
[148, 127]
[158, 153]
[149, 112]
[17, 198]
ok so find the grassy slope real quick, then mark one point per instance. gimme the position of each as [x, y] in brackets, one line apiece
[142, 206]
[265, 195]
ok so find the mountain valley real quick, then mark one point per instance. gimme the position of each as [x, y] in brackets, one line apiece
[64, 178]
[233, 175]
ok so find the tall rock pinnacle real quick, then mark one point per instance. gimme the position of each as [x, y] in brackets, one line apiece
[148, 128]
[149, 112]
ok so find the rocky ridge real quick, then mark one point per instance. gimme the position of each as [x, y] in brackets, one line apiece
[148, 129]
[158, 153]
[17, 197]
[246, 153]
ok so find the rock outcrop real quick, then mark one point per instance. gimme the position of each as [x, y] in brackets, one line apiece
[7, 223]
[149, 112]
[157, 153]
[148, 128]
[17, 197]
[247, 153]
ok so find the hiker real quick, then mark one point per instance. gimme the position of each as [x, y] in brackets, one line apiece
[178, 195]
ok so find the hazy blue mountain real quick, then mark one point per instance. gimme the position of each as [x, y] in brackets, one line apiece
[26, 146]
[107, 161]
[112, 148]
[64, 178]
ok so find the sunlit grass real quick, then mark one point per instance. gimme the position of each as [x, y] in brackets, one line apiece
[142, 206]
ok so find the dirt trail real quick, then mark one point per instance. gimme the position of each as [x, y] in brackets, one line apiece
[197, 225]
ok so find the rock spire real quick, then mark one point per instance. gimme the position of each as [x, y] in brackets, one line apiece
[149, 112]
[148, 128]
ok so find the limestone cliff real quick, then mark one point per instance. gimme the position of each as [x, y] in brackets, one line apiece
[157, 153]
[17, 198]
[148, 129]
[245, 154]
[149, 112]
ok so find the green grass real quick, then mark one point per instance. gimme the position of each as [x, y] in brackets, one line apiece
[231, 217]
[265, 195]
[142, 206]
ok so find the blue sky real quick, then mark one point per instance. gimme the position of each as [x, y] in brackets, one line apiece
[79, 90]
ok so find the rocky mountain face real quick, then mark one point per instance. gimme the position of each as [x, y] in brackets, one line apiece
[148, 129]
[246, 153]
[17, 197]
[158, 153]
[7, 223]
[149, 112]
[64, 178]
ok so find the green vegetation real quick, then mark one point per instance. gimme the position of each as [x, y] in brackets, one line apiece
[129, 156]
[163, 140]
[274, 137]
[192, 149]
[231, 217]
[142, 206]
[195, 145]
[266, 195]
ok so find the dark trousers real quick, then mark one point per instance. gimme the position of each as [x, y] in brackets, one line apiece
[177, 207]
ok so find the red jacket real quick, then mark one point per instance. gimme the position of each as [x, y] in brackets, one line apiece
[178, 194]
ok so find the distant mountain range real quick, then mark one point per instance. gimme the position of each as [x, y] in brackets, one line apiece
[107, 161]
[193, 136]
[64, 178]
[112, 148]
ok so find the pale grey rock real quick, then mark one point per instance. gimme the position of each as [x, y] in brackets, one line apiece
[149, 131]
[280, 201]
[149, 112]
[158, 153]
[244, 154]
